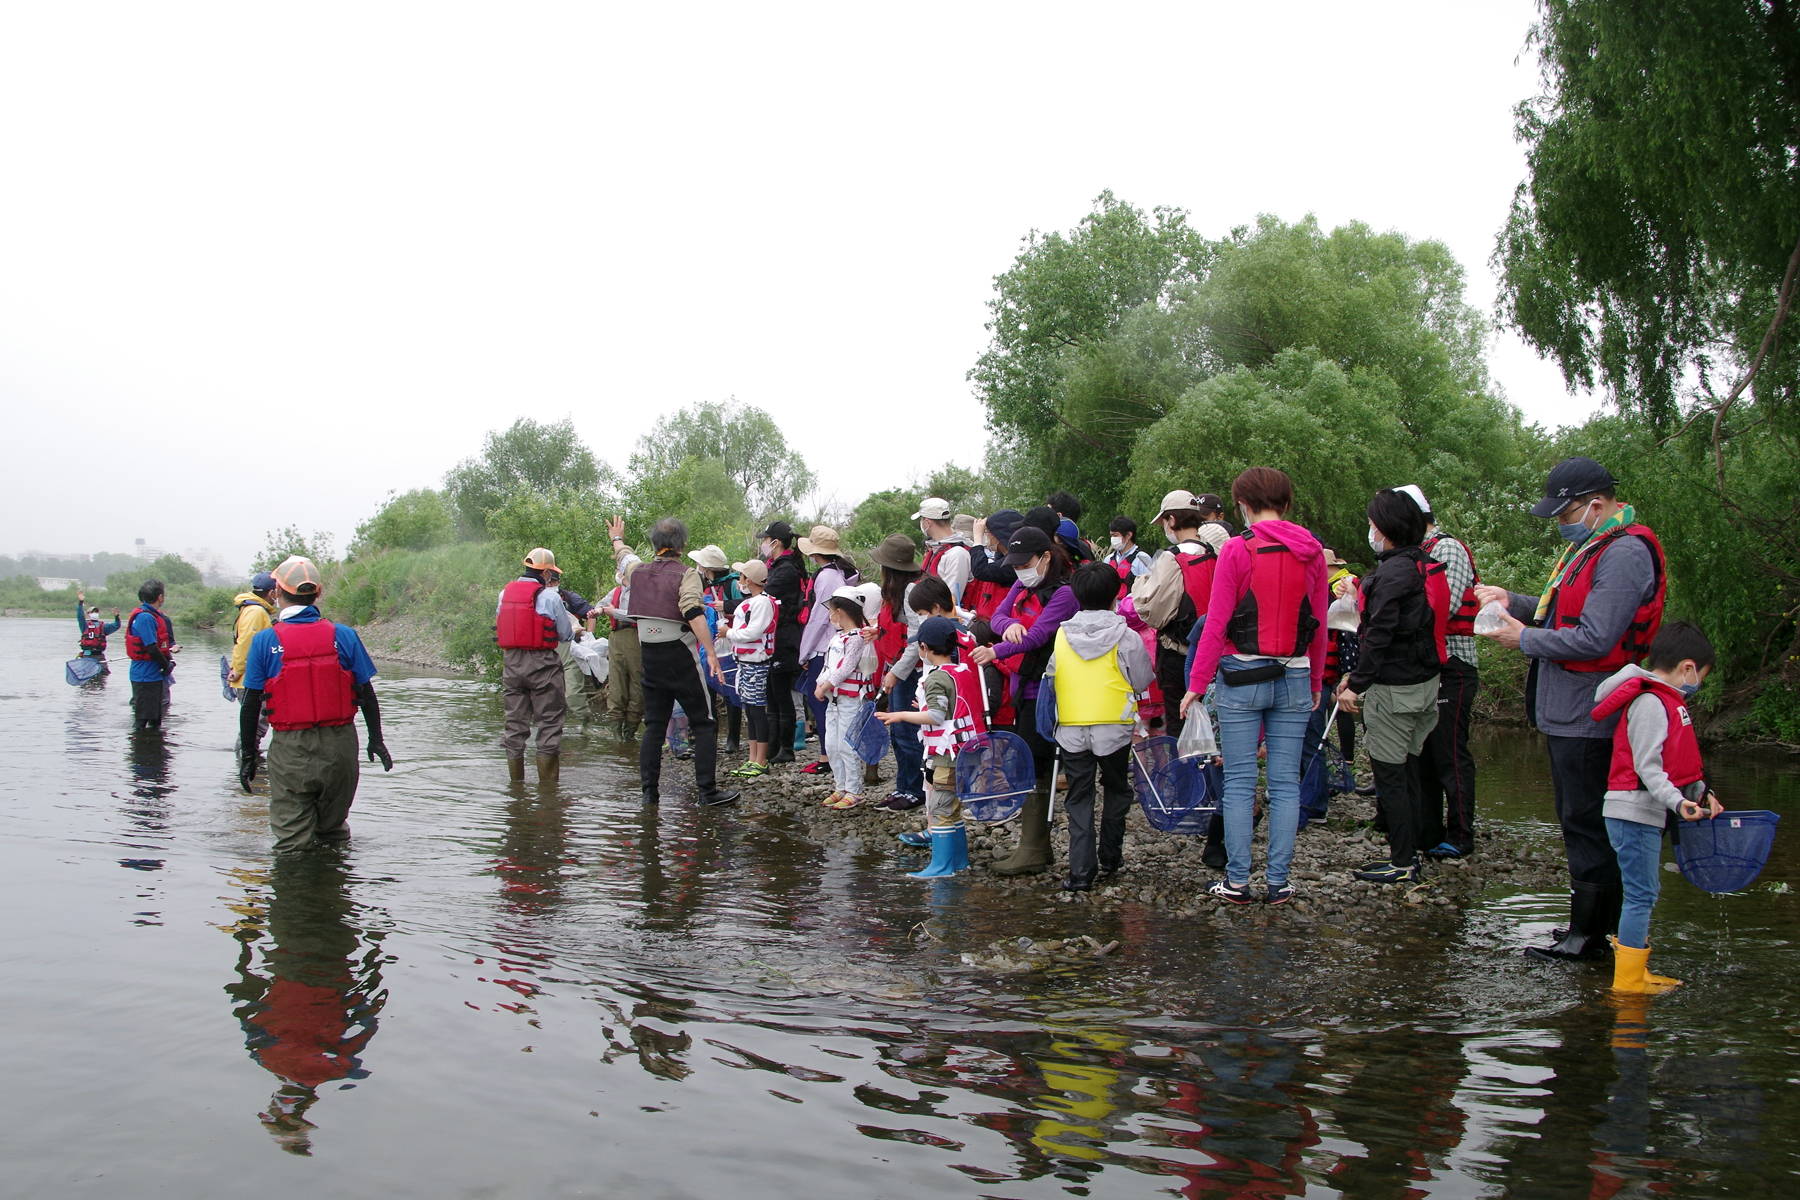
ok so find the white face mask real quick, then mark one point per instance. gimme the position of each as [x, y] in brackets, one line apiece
[1170, 534]
[1029, 576]
[1377, 543]
[1118, 543]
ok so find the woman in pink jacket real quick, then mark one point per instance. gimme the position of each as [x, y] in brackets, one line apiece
[1262, 653]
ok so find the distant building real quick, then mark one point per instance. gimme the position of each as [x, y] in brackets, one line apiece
[144, 552]
[52, 583]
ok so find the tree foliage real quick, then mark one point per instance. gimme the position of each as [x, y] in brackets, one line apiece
[570, 522]
[746, 443]
[416, 520]
[529, 456]
[284, 543]
[703, 494]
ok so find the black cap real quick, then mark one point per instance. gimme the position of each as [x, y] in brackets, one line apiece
[1570, 478]
[1209, 502]
[781, 531]
[1043, 517]
[1026, 544]
[1004, 524]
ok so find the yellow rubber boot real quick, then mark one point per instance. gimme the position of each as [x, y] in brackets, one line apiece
[1630, 970]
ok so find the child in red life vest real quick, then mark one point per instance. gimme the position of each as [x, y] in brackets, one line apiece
[750, 639]
[846, 682]
[1656, 770]
[950, 712]
[1100, 668]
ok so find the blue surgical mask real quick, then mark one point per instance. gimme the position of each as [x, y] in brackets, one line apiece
[1687, 690]
[1576, 533]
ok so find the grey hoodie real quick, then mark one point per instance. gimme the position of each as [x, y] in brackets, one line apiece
[1092, 633]
[1645, 727]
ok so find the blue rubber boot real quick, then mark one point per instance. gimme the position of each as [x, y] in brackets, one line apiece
[949, 852]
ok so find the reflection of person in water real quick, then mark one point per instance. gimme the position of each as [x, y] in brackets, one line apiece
[308, 1007]
[1401, 1105]
[533, 852]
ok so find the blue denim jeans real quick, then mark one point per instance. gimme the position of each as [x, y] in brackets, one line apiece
[1275, 711]
[909, 754]
[1639, 848]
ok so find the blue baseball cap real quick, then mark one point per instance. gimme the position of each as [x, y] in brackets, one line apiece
[262, 581]
[938, 632]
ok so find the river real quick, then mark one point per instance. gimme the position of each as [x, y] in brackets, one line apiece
[524, 995]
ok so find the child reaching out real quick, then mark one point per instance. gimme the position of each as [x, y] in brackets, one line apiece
[845, 681]
[949, 714]
[1656, 770]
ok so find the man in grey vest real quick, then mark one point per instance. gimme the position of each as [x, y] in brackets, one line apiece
[668, 604]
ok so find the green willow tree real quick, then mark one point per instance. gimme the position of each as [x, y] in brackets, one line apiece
[1652, 251]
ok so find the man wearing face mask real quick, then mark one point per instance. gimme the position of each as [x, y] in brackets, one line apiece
[1600, 610]
[946, 551]
[1125, 556]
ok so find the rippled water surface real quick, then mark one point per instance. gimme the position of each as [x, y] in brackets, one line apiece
[531, 995]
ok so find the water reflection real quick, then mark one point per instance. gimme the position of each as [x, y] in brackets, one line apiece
[309, 1001]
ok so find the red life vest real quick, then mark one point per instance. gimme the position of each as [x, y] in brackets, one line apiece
[312, 689]
[968, 719]
[985, 597]
[807, 584]
[1197, 571]
[1571, 597]
[520, 626]
[1275, 617]
[1462, 619]
[1680, 750]
[615, 599]
[890, 637]
[93, 634]
[1026, 610]
[1437, 595]
[134, 645]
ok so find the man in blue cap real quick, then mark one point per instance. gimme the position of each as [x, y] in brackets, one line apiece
[1600, 610]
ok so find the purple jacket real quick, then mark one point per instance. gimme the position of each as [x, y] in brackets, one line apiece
[1060, 607]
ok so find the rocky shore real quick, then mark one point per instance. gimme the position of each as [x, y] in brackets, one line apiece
[1164, 871]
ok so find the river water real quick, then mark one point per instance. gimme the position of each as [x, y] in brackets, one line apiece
[499, 995]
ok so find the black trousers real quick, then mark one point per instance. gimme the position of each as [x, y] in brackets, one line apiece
[780, 703]
[1578, 770]
[1115, 781]
[672, 676]
[148, 703]
[1449, 766]
[1171, 677]
[1398, 788]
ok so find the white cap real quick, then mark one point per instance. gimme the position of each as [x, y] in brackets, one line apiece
[934, 509]
[1412, 489]
[1178, 501]
[868, 595]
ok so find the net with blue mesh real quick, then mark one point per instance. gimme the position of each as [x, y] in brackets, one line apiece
[994, 774]
[1727, 852]
[80, 670]
[869, 737]
[225, 679]
[729, 668]
[1178, 795]
[1326, 775]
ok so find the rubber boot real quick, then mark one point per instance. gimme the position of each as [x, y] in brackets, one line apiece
[949, 852]
[1631, 970]
[781, 740]
[549, 769]
[871, 773]
[515, 768]
[734, 727]
[1213, 853]
[1033, 855]
[1585, 939]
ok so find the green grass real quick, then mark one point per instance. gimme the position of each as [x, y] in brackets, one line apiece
[452, 587]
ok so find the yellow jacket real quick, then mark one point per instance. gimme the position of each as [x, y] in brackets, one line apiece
[254, 614]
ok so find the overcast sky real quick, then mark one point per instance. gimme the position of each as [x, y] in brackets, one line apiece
[260, 264]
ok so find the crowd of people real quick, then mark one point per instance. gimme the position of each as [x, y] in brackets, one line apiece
[1242, 620]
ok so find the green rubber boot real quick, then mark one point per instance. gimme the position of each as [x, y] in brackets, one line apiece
[1033, 855]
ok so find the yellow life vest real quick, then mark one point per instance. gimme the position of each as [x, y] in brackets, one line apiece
[1091, 691]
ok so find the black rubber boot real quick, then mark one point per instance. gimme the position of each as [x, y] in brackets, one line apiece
[1213, 853]
[781, 747]
[1585, 939]
[734, 727]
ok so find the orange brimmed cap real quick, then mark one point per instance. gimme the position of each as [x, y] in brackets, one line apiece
[541, 559]
[297, 576]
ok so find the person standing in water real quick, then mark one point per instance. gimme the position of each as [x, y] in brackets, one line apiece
[150, 644]
[530, 623]
[94, 631]
[315, 675]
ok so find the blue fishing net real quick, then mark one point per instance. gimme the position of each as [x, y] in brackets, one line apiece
[729, 668]
[994, 774]
[225, 679]
[79, 670]
[677, 735]
[1325, 776]
[1178, 795]
[868, 736]
[1727, 852]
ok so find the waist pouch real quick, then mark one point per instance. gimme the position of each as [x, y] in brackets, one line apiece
[1250, 675]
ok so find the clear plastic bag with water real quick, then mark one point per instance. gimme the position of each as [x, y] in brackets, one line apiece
[1489, 619]
[1197, 739]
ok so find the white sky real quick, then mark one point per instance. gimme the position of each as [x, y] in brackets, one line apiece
[260, 264]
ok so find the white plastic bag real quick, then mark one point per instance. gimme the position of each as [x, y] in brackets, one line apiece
[591, 657]
[1488, 620]
[1342, 615]
[1197, 740]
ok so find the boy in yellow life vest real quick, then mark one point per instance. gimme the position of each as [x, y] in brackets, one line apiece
[1099, 668]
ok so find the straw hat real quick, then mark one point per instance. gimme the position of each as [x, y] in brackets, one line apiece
[824, 540]
[897, 552]
[1332, 559]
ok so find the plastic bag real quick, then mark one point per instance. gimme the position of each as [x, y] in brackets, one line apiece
[1197, 735]
[1342, 615]
[1488, 620]
[591, 656]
